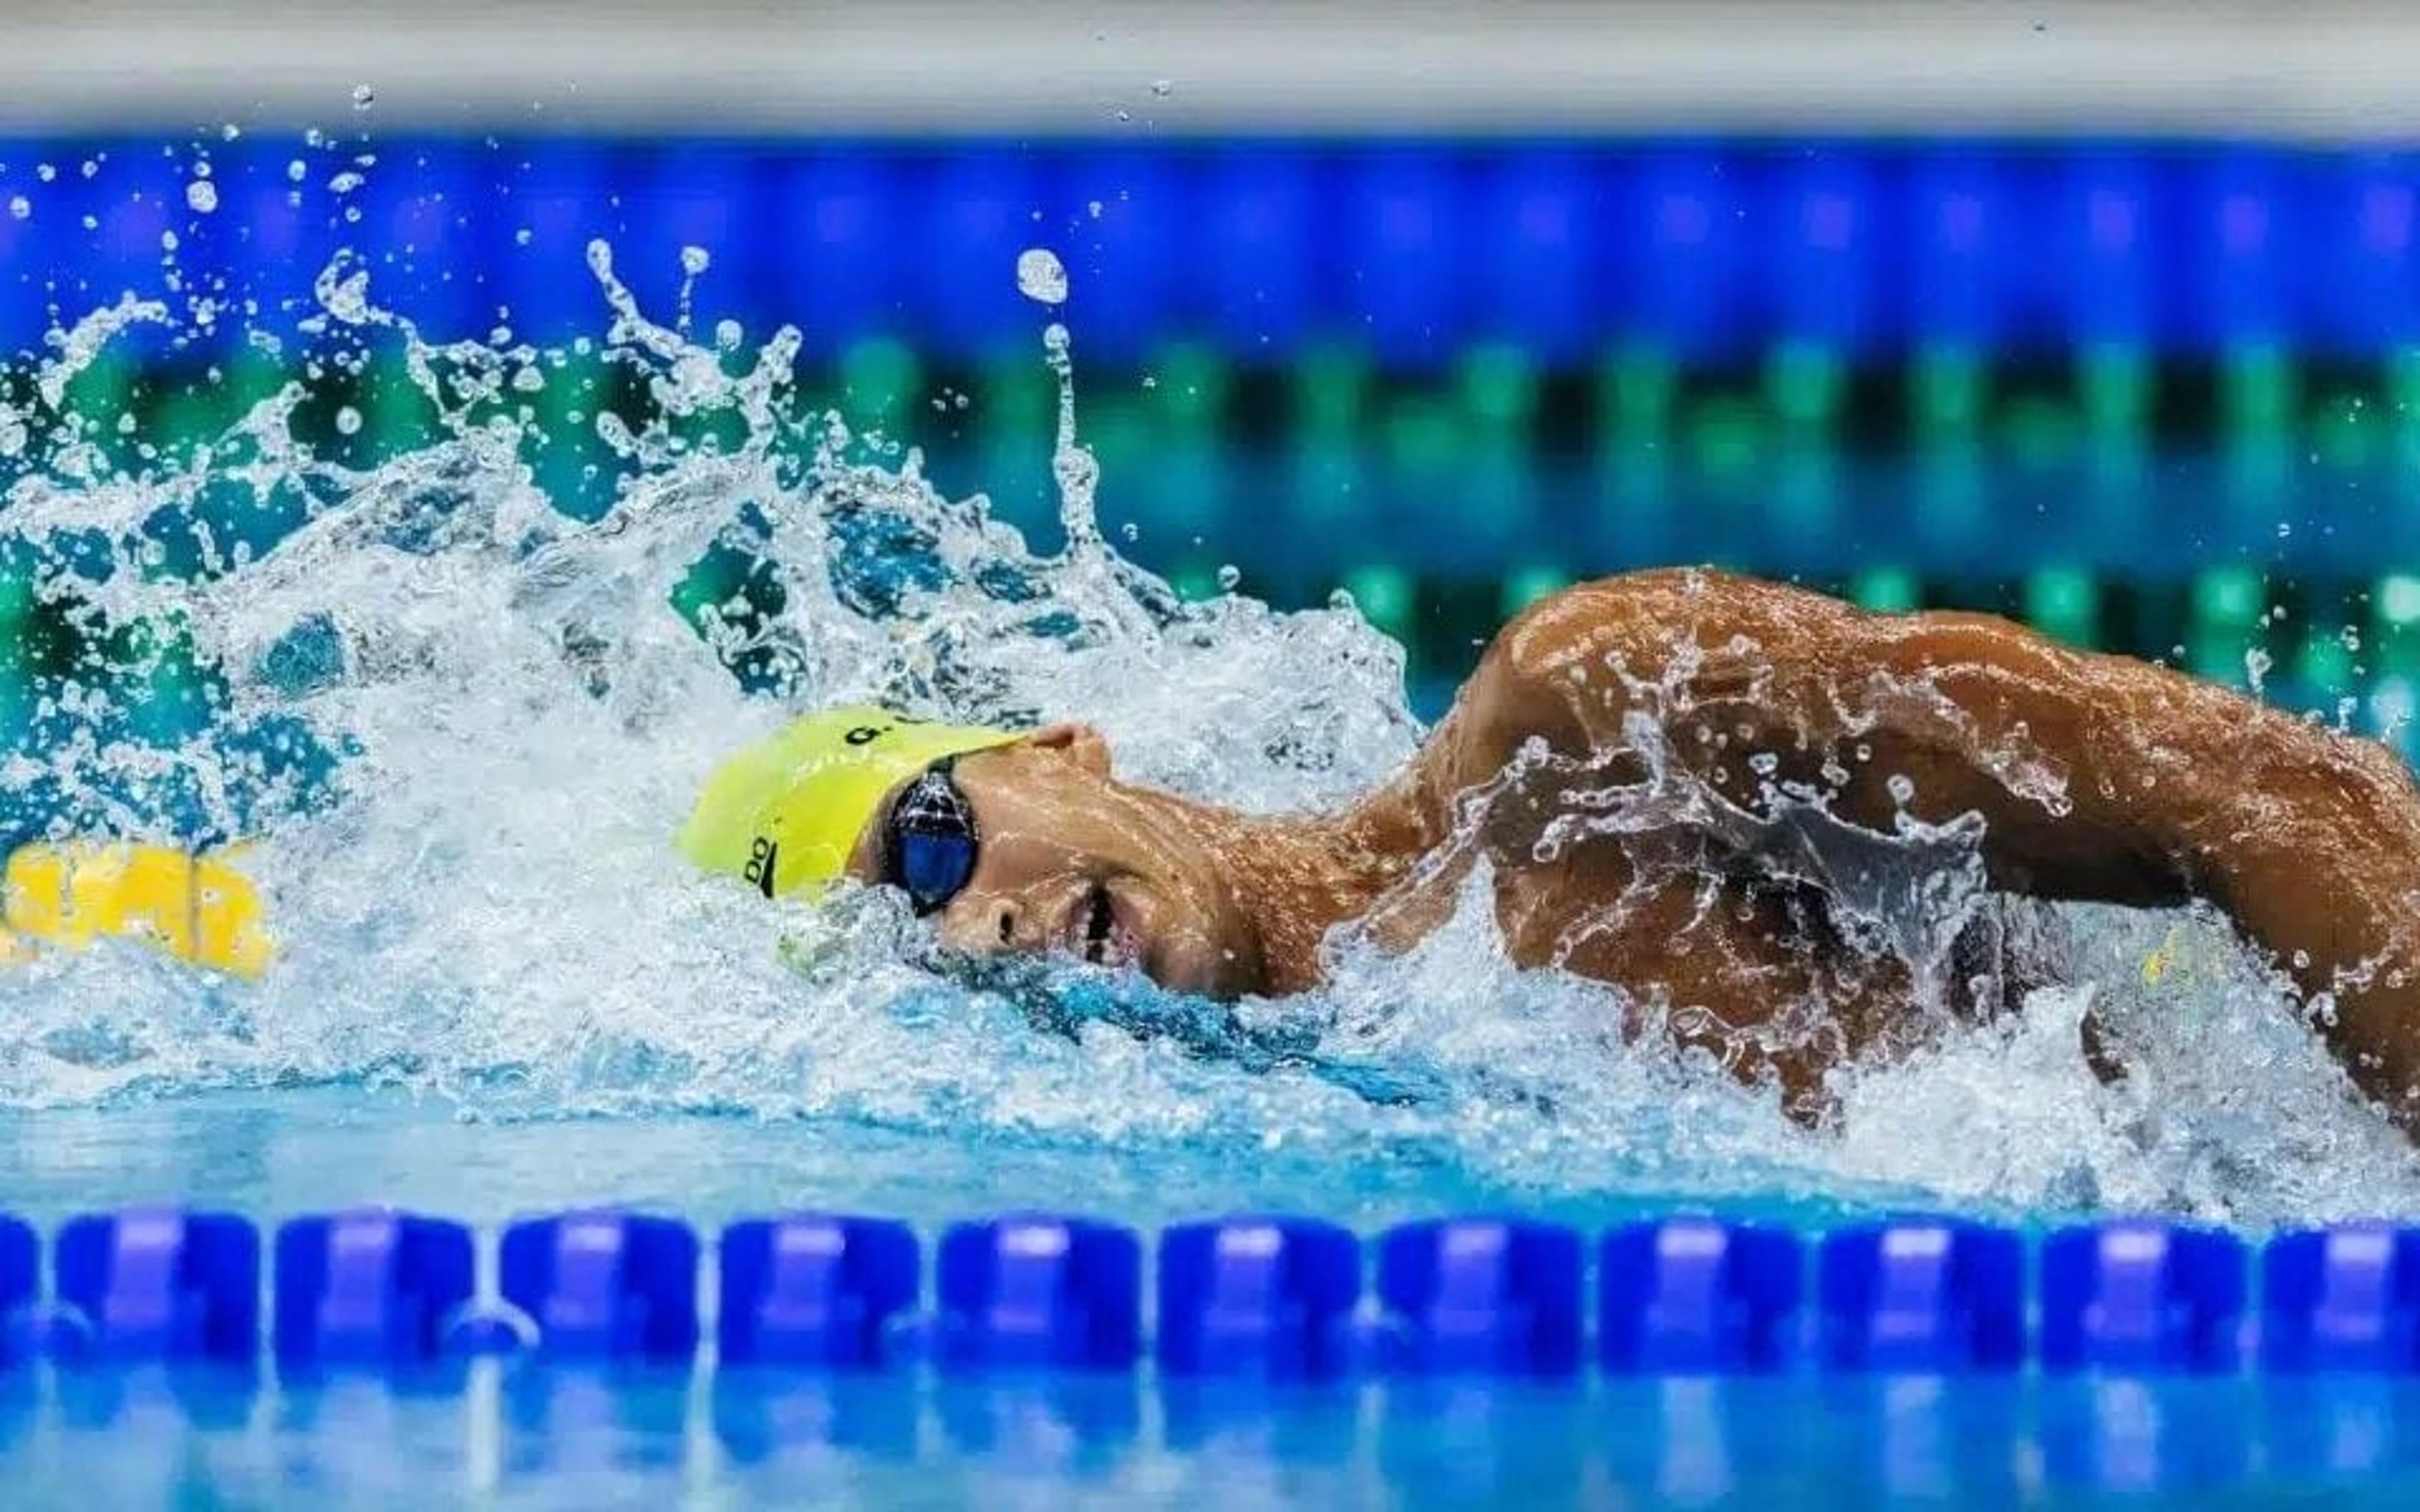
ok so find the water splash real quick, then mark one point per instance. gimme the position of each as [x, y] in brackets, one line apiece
[477, 899]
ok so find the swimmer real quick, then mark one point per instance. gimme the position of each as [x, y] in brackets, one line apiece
[1792, 730]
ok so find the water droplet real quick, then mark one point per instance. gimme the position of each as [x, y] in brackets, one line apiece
[348, 421]
[1163, 87]
[230, 132]
[202, 196]
[20, 206]
[1229, 576]
[363, 97]
[1040, 276]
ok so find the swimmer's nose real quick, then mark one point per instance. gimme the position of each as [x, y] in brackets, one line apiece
[986, 926]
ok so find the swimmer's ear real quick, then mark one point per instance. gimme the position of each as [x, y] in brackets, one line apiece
[1082, 743]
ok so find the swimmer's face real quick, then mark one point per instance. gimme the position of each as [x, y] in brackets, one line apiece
[1074, 861]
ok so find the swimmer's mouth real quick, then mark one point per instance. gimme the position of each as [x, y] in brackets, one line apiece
[1107, 940]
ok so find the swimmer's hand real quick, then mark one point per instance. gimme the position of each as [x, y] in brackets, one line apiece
[193, 908]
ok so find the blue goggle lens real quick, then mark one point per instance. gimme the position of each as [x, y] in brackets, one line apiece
[933, 844]
[933, 866]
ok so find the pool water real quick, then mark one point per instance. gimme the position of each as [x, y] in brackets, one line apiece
[454, 728]
[536, 1441]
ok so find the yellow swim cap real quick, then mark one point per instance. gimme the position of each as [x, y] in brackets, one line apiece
[785, 814]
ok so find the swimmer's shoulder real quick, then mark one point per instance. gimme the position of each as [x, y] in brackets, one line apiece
[1537, 680]
[1562, 670]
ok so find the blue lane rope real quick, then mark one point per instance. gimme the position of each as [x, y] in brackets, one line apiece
[1418, 250]
[1270, 1298]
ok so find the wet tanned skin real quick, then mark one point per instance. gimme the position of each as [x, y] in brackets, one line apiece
[2097, 777]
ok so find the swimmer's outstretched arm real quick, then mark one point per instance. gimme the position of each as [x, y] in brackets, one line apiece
[2100, 777]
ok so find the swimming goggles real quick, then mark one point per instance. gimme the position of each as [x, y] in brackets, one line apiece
[929, 844]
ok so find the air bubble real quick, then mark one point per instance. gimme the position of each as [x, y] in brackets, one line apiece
[201, 196]
[348, 421]
[20, 206]
[363, 97]
[1041, 277]
[695, 260]
[1229, 576]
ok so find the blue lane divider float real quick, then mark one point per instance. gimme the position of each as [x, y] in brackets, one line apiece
[815, 1289]
[2342, 1299]
[2142, 1296]
[157, 1282]
[1269, 1298]
[21, 1287]
[372, 1287]
[1258, 1296]
[1039, 1291]
[1693, 1296]
[605, 1286]
[1947, 1297]
[1498, 1297]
